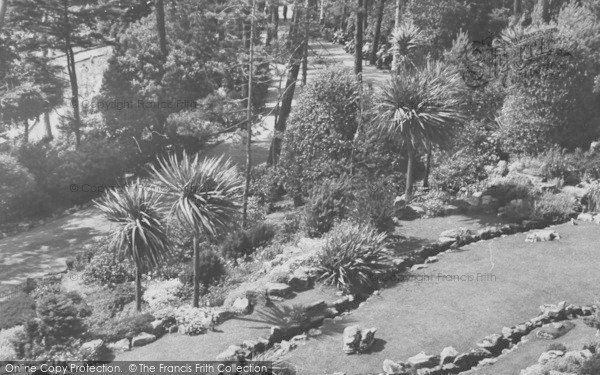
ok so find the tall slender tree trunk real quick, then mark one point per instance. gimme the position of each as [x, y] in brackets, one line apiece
[25, 132]
[249, 121]
[366, 8]
[397, 20]
[273, 28]
[358, 38]
[71, 69]
[305, 41]
[47, 125]
[322, 12]
[410, 178]
[427, 168]
[160, 27]
[285, 12]
[377, 35]
[343, 17]
[293, 69]
[3, 7]
[138, 289]
[196, 295]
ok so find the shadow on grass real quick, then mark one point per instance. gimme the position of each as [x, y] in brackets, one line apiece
[272, 315]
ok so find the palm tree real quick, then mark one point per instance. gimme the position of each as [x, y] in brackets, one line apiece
[203, 195]
[141, 235]
[420, 108]
[405, 39]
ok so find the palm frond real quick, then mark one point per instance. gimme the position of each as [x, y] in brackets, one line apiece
[421, 107]
[141, 233]
[202, 194]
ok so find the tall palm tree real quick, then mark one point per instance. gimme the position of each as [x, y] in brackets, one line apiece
[141, 235]
[202, 195]
[420, 108]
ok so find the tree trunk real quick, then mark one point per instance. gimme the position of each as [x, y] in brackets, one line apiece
[71, 69]
[322, 12]
[305, 42]
[285, 12]
[138, 289]
[196, 295]
[358, 38]
[545, 11]
[47, 126]
[160, 27]
[273, 29]
[25, 132]
[427, 168]
[343, 17]
[396, 57]
[3, 7]
[365, 15]
[409, 176]
[249, 122]
[377, 32]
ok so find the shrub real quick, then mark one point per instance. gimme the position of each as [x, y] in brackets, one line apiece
[243, 243]
[18, 191]
[433, 202]
[10, 341]
[557, 346]
[298, 315]
[553, 207]
[120, 296]
[106, 267]
[162, 293]
[125, 327]
[320, 133]
[591, 366]
[592, 198]
[265, 185]
[46, 286]
[327, 203]
[59, 317]
[374, 204]
[506, 189]
[558, 163]
[353, 257]
[192, 321]
[17, 310]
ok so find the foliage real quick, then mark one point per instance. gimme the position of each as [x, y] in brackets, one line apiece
[106, 267]
[266, 186]
[128, 326]
[212, 267]
[505, 189]
[141, 234]
[591, 366]
[554, 207]
[17, 188]
[244, 243]
[405, 41]
[557, 346]
[327, 203]
[298, 314]
[433, 202]
[10, 341]
[353, 257]
[592, 197]
[162, 294]
[373, 203]
[192, 321]
[16, 311]
[59, 318]
[320, 132]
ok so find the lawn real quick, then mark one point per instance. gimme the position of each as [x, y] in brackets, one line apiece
[418, 315]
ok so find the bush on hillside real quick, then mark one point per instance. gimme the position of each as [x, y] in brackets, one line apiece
[353, 258]
[58, 318]
[118, 328]
[212, 266]
[244, 243]
[592, 198]
[553, 207]
[327, 203]
[10, 342]
[506, 189]
[107, 267]
[17, 310]
[18, 191]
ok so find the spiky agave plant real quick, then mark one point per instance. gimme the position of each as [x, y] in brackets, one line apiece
[202, 195]
[141, 234]
[353, 257]
[421, 108]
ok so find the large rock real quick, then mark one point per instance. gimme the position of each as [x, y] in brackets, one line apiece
[92, 350]
[448, 355]
[242, 305]
[142, 339]
[119, 346]
[466, 361]
[301, 280]
[423, 360]
[493, 343]
[555, 330]
[585, 217]
[367, 339]
[352, 338]
[393, 368]
[550, 355]
[554, 311]
[278, 289]
[542, 236]
[232, 353]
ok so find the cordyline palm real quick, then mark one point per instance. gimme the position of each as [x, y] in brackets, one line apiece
[203, 195]
[404, 40]
[141, 235]
[421, 109]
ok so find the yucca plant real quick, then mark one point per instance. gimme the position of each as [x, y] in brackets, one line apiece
[421, 109]
[141, 234]
[404, 40]
[353, 257]
[202, 195]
